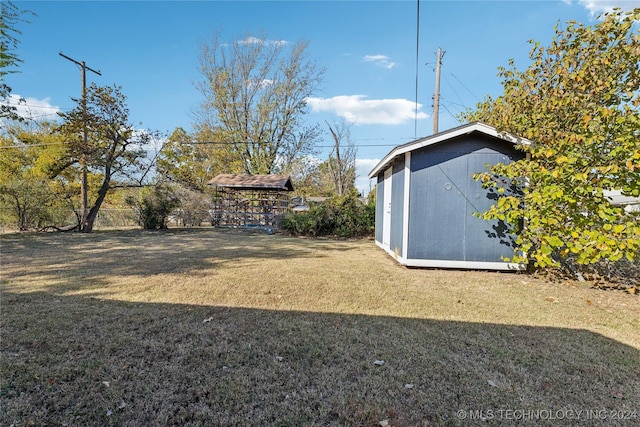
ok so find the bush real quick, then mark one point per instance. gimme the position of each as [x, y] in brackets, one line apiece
[344, 216]
[154, 206]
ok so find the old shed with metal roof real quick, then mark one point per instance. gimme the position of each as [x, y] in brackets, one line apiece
[243, 200]
[426, 198]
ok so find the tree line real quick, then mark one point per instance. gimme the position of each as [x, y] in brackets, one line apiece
[251, 121]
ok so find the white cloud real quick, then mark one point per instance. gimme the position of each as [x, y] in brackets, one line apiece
[380, 60]
[256, 40]
[366, 165]
[363, 167]
[596, 7]
[360, 111]
[251, 40]
[32, 108]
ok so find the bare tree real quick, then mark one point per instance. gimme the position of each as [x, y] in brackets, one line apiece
[255, 93]
[342, 160]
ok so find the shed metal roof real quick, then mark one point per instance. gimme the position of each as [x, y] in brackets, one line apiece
[441, 137]
[253, 182]
[618, 199]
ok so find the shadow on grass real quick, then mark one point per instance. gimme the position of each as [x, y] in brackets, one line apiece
[72, 360]
[75, 261]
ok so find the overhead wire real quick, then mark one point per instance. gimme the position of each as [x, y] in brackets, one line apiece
[457, 104]
[462, 105]
[463, 85]
[27, 104]
[415, 126]
[450, 113]
[43, 107]
[211, 143]
[453, 89]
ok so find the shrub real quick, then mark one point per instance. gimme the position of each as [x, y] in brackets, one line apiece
[154, 206]
[344, 216]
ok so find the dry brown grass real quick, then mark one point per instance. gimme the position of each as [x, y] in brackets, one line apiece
[210, 327]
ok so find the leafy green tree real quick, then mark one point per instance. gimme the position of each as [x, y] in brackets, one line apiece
[23, 191]
[188, 162]
[191, 160]
[255, 94]
[310, 177]
[10, 16]
[115, 152]
[29, 199]
[577, 103]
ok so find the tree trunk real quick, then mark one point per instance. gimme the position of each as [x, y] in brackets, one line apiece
[87, 227]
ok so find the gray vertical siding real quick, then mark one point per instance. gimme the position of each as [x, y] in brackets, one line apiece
[397, 206]
[486, 240]
[444, 196]
[436, 213]
[379, 206]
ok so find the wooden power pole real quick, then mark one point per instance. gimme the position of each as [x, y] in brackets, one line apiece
[436, 96]
[83, 157]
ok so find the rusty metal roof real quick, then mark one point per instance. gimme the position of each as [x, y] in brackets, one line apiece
[251, 182]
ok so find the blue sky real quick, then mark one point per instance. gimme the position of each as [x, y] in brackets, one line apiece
[151, 49]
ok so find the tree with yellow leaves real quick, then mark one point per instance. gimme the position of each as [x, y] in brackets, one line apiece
[577, 103]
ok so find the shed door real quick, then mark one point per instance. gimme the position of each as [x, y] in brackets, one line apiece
[386, 205]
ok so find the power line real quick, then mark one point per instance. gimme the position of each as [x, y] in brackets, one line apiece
[25, 146]
[26, 104]
[315, 146]
[415, 126]
[468, 90]
[452, 115]
[462, 106]
[36, 118]
[453, 89]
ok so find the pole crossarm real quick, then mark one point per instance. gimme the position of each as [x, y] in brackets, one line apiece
[80, 64]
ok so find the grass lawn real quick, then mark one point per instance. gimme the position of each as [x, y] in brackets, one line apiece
[209, 327]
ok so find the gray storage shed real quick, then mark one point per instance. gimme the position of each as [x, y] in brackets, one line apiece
[426, 197]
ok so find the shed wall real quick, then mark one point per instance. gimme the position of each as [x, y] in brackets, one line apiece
[444, 196]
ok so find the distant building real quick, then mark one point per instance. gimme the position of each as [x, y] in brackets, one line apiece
[303, 204]
[250, 200]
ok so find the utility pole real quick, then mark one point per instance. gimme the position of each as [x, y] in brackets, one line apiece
[436, 96]
[83, 156]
